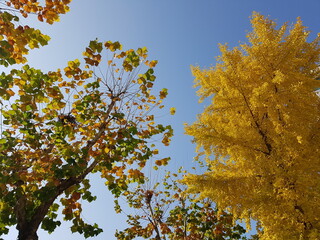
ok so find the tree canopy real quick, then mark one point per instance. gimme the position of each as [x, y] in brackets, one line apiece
[94, 116]
[260, 133]
[165, 211]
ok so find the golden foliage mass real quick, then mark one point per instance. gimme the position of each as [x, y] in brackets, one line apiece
[263, 128]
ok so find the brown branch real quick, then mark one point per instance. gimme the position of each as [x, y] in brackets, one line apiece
[153, 221]
[262, 134]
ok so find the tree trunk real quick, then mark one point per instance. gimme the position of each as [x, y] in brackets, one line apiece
[28, 229]
[28, 232]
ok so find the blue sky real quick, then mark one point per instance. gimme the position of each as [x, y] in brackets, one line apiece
[178, 33]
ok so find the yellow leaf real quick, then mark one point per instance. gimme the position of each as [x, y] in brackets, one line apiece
[153, 63]
[299, 138]
[80, 83]
[172, 111]
[107, 150]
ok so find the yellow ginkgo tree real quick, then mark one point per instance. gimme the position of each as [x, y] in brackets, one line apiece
[94, 116]
[260, 134]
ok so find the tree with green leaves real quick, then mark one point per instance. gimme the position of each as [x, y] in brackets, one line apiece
[94, 116]
[165, 211]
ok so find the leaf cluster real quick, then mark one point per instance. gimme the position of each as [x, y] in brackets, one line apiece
[166, 211]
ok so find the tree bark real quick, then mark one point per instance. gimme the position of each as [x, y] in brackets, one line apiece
[28, 232]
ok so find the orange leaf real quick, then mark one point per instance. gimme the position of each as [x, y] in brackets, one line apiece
[10, 92]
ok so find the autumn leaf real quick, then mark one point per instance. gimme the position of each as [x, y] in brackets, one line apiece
[172, 111]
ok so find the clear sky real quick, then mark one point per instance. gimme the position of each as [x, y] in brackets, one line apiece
[178, 33]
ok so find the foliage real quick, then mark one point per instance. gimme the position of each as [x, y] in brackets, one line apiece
[263, 127]
[166, 212]
[16, 39]
[48, 10]
[58, 127]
